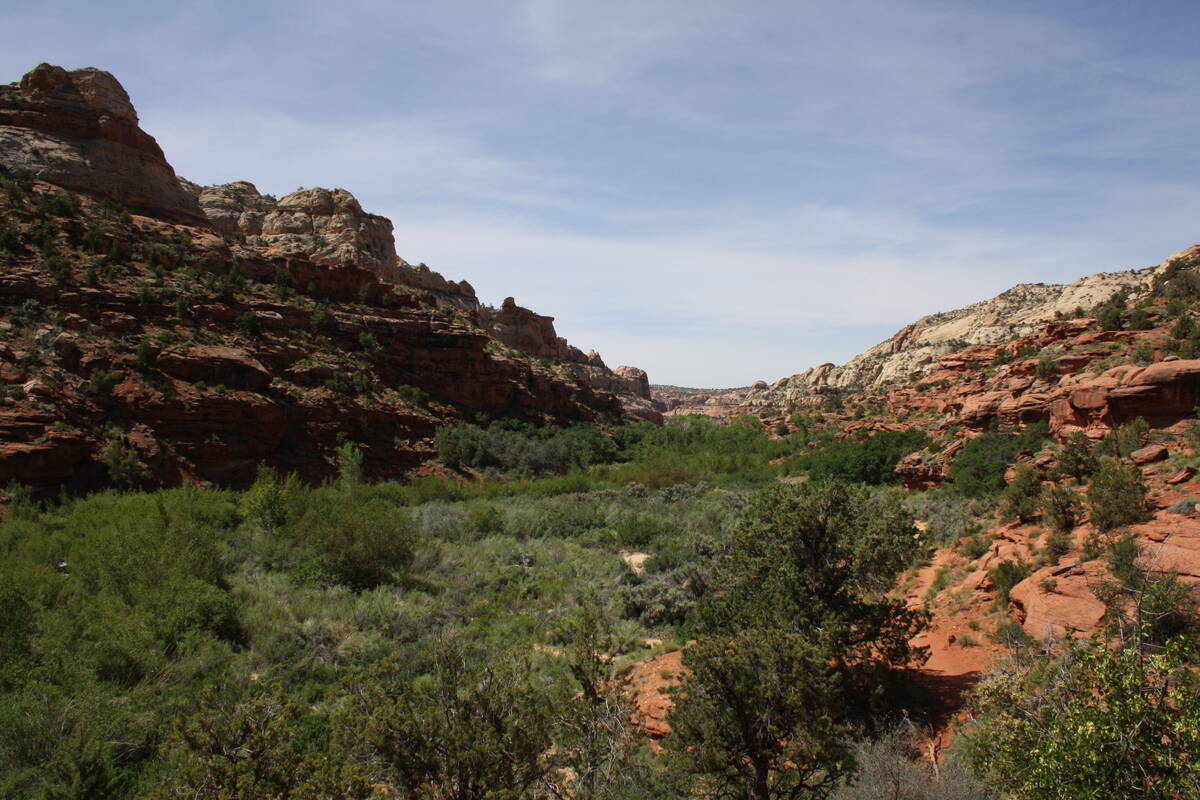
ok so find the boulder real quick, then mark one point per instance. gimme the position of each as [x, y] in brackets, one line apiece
[1148, 454]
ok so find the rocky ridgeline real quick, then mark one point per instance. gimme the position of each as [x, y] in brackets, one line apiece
[160, 332]
[79, 131]
[682, 400]
[330, 228]
[917, 349]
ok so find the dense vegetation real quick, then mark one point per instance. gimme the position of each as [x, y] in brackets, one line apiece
[979, 468]
[459, 638]
[865, 458]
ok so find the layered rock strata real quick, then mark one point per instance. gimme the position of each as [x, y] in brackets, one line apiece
[79, 131]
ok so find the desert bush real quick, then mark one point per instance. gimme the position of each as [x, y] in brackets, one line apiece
[1185, 506]
[890, 767]
[1116, 496]
[1019, 500]
[1060, 508]
[862, 459]
[946, 512]
[980, 466]
[1076, 457]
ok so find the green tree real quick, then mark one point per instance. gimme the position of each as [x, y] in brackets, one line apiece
[596, 742]
[816, 559]
[1060, 508]
[249, 750]
[757, 718]
[980, 466]
[800, 639]
[1076, 458]
[1099, 723]
[1019, 501]
[476, 725]
[1116, 496]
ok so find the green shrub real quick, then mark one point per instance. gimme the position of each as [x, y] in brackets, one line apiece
[1139, 320]
[1124, 439]
[1060, 508]
[1004, 576]
[1110, 318]
[1183, 328]
[1019, 500]
[1076, 457]
[641, 530]
[866, 458]
[1099, 722]
[146, 355]
[523, 450]
[367, 342]
[976, 547]
[58, 204]
[360, 544]
[16, 189]
[1116, 496]
[980, 466]
[1056, 545]
[10, 240]
[102, 381]
[248, 325]
[125, 468]
[353, 384]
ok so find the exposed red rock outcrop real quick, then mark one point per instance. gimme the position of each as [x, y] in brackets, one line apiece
[532, 333]
[219, 329]
[330, 229]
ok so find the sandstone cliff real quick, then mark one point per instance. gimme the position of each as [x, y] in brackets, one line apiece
[159, 332]
[78, 130]
[330, 228]
[915, 350]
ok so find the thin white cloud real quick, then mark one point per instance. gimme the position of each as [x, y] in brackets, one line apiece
[717, 192]
[790, 292]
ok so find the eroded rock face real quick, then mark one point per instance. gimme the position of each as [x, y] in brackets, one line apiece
[333, 229]
[528, 331]
[329, 227]
[920, 348]
[79, 131]
[639, 381]
[681, 401]
[233, 207]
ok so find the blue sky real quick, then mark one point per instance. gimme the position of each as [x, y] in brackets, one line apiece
[716, 192]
